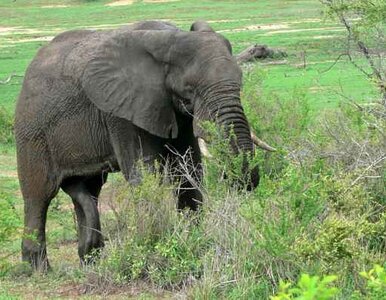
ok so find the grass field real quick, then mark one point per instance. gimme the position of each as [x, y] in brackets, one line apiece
[296, 26]
[301, 85]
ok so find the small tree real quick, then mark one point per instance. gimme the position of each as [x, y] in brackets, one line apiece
[365, 22]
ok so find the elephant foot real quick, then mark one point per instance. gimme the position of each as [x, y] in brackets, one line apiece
[189, 198]
[36, 256]
[89, 252]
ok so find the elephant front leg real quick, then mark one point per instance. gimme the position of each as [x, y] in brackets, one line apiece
[189, 196]
[187, 161]
[133, 146]
[188, 192]
[90, 238]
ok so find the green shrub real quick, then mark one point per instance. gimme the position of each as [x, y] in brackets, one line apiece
[9, 220]
[316, 288]
[149, 239]
[375, 283]
[344, 232]
[308, 288]
[6, 127]
[10, 229]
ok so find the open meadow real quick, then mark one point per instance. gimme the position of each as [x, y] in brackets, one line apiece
[320, 208]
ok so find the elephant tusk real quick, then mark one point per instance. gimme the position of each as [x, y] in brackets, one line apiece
[261, 144]
[203, 148]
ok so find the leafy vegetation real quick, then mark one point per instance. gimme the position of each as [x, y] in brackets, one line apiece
[6, 127]
[313, 287]
[314, 229]
[308, 288]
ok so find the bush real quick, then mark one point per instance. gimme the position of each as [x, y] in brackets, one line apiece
[9, 220]
[308, 288]
[242, 245]
[10, 228]
[148, 239]
[314, 288]
[6, 127]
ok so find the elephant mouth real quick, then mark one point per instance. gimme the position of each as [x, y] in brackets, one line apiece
[183, 105]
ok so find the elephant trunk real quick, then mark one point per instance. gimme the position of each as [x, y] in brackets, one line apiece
[222, 104]
[235, 123]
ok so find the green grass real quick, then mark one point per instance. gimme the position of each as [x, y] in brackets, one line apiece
[277, 225]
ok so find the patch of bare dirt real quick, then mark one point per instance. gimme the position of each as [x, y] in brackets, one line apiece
[21, 30]
[129, 2]
[266, 27]
[70, 291]
[257, 27]
[4, 30]
[37, 39]
[227, 20]
[320, 37]
[120, 3]
[310, 20]
[54, 6]
[305, 29]
[279, 28]
[159, 1]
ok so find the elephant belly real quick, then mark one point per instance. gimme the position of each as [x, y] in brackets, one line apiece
[80, 145]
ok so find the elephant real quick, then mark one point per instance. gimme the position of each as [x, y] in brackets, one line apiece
[95, 102]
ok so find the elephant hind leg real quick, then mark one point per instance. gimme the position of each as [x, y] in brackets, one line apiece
[38, 189]
[84, 192]
[34, 238]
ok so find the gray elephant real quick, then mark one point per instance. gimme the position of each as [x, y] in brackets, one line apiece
[95, 102]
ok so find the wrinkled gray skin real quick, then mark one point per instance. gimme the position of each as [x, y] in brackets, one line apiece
[95, 102]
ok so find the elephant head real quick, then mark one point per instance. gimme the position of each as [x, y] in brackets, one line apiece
[149, 76]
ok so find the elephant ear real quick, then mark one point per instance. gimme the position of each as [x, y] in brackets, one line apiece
[126, 77]
[201, 26]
